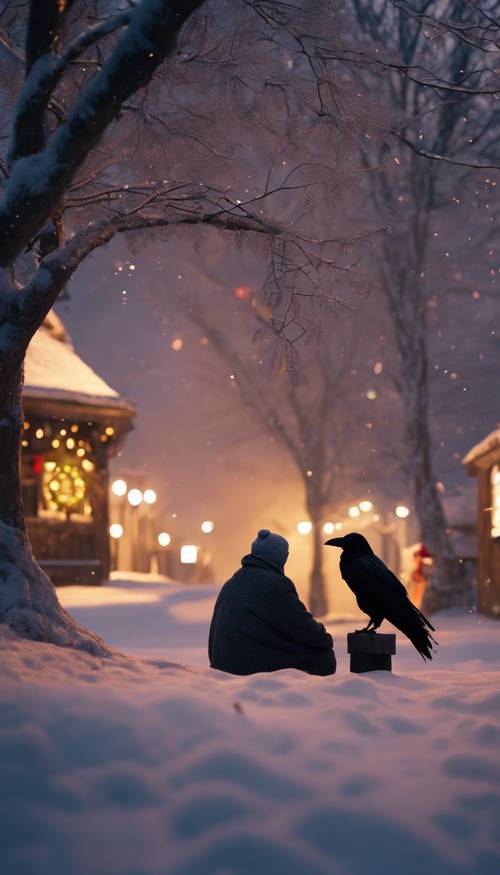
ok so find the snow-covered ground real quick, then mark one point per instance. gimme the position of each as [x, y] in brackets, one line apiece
[141, 766]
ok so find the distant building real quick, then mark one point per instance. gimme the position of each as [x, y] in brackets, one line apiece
[483, 461]
[74, 423]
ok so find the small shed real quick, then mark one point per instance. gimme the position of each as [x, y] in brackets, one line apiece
[483, 462]
[74, 423]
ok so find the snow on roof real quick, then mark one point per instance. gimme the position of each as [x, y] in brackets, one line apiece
[54, 370]
[490, 442]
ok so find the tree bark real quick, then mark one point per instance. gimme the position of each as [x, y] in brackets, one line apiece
[449, 584]
[28, 601]
[318, 602]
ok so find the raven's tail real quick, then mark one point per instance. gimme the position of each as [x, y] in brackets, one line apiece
[419, 635]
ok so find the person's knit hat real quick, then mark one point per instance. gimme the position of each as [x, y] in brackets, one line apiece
[270, 547]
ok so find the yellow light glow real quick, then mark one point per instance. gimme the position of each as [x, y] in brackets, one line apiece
[70, 443]
[50, 466]
[164, 539]
[365, 506]
[402, 511]
[26, 425]
[109, 430]
[177, 344]
[135, 497]
[55, 443]
[119, 487]
[80, 452]
[304, 527]
[63, 432]
[207, 526]
[87, 465]
[116, 530]
[39, 433]
[149, 496]
[54, 485]
[354, 511]
[189, 554]
[328, 528]
[74, 428]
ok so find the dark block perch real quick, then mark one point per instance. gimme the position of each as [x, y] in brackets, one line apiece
[370, 651]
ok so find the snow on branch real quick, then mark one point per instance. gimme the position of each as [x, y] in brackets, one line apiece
[43, 78]
[38, 181]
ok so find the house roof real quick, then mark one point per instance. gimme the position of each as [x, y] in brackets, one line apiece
[54, 371]
[489, 443]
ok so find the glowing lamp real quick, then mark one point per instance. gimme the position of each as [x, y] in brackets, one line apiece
[189, 554]
[119, 487]
[207, 526]
[135, 497]
[402, 511]
[164, 539]
[353, 512]
[328, 528]
[149, 496]
[304, 527]
[116, 530]
[365, 506]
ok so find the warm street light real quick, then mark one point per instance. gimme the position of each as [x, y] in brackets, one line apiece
[189, 554]
[207, 526]
[149, 496]
[135, 497]
[164, 539]
[328, 528]
[304, 527]
[119, 487]
[365, 506]
[354, 511]
[116, 530]
[402, 512]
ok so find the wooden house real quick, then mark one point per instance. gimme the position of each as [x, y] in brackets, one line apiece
[74, 423]
[483, 461]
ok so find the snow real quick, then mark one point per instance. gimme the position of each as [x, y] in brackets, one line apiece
[54, 370]
[151, 763]
[490, 442]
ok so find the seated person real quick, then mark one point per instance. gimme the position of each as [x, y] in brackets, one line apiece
[259, 622]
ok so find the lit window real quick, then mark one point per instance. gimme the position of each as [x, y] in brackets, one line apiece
[495, 501]
[189, 554]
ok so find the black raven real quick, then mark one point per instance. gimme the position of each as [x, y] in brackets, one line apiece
[380, 594]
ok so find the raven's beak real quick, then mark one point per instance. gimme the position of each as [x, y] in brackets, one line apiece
[335, 542]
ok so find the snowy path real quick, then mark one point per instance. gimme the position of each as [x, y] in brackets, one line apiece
[140, 767]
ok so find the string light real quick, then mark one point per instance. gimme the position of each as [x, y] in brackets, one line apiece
[304, 527]
[164, 539]
[402, 511]
[116, 530]
[135, 497]
[119, 487]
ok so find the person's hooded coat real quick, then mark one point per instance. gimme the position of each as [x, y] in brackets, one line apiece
[259, 624]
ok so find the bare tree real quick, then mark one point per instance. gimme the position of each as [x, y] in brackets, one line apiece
[438, 89]
[300, 393]
[83, 163]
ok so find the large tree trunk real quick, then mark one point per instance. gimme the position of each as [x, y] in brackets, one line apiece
[318, 602]
[449, 584]
[28, 601]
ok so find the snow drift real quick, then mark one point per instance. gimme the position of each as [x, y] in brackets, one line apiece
[131, 766]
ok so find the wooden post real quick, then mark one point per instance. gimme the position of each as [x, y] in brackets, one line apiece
[370, 651]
